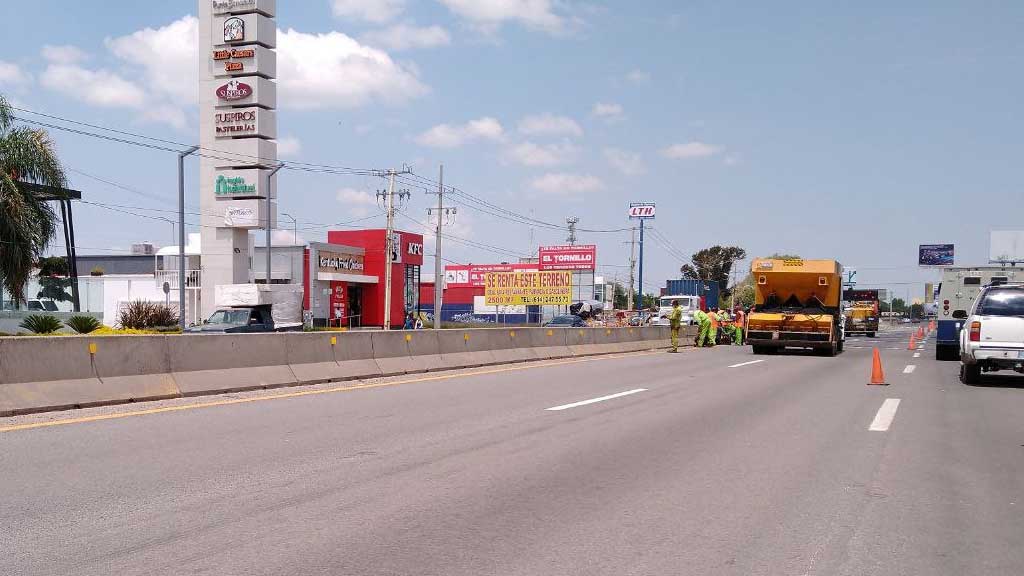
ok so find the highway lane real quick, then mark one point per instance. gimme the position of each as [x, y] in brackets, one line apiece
[710, 464]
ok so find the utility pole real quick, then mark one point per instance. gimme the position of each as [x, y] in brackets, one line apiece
[390, 242]
[632, 264]
[442, 214]
[572, 221]
[640, 281]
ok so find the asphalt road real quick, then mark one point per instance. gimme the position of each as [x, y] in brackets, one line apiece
[698, 463]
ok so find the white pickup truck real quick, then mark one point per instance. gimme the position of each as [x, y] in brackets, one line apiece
[992, 338]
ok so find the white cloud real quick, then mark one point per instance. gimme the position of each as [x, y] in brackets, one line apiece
[606, 110]
[489, 15]
[549, 125]
[530, 154]
[333, 70]
[690, 150]
[626, 162]
[357, 202]
[288, 146]
[401, 37]
[564, 184]
[97, 87]
[12, 75]
[64, 54]
[453, 136]
[377, 11]
[638, 76]
[166, 57]
[286, 237]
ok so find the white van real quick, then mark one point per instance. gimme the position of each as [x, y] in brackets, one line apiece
[689, 304]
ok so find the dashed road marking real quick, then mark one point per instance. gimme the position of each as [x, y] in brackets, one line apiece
[746, 363]
[909, 369]
[917, 354]
[595, 400]
[883, 419]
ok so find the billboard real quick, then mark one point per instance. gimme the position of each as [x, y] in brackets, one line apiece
[935, 255]
[474, 276]
[581, 257]
[1006, 246]
[641, 211]
[546, 288]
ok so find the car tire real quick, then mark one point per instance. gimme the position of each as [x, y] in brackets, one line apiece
[759, 349]
[970, 374]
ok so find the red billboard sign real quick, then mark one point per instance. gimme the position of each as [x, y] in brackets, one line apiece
[471, 275]
[579, 257]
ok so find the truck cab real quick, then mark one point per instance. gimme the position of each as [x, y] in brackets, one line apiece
[688, 304]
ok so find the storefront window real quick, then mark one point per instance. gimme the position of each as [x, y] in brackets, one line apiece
[412, 288]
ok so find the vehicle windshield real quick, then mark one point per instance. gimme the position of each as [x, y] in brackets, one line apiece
[230, 317]
[1002, 302]
[560, 320]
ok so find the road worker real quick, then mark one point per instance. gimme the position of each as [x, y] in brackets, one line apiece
[703, 321]
[713, 331]
[675, 321]
[740, 318]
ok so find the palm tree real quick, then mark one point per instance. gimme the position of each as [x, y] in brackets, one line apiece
[26, 223]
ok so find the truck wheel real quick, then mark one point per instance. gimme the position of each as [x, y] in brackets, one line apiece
[871, 334]
[970, 374]
[839, 345]
[759, 349]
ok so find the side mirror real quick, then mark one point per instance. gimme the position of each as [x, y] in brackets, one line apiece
[960, 314]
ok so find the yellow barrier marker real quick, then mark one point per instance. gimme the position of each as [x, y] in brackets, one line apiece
[334, 340]
[581, 333]
[465, 337]
[512, 333]
[408, 337]
[630, 330]
[92, 348]
[551, 332]
[608, 332]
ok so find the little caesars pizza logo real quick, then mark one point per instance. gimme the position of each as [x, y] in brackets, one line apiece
[234, 90]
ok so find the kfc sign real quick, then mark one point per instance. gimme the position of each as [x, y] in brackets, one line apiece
[234, 90]
[582, 257]
[415, 249]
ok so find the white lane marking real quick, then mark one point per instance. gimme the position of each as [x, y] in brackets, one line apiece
[909, 369]
[885, 415]
[593, 400]
[917, 354]
[746, 363]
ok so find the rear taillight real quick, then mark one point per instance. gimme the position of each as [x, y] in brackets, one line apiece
[975, 331]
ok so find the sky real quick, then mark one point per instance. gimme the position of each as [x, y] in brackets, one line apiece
[853, 131]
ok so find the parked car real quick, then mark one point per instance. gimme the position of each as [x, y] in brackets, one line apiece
[567, 321]
[993, 334]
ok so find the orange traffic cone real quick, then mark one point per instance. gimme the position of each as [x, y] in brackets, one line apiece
[877, 374]
[913, 343]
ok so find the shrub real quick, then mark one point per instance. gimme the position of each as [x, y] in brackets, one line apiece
[96, 271]
[82, 324]
[140, 315]
[41, 324]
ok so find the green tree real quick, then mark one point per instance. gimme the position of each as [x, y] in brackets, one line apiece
[53, 279]
[26, 223]
[621, 299]
[715, 264]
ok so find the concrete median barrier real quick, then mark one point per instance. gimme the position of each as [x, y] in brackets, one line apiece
[318, 357]
[464, 349]
[509, 345]
[210, 363]
[56, 373]
[406, 352]
[549, 343]
[581, 341]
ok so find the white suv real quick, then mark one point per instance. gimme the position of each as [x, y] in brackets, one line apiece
[993, 335]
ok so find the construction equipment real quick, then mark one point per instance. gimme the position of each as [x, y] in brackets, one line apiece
[796, 305]
[861, 312]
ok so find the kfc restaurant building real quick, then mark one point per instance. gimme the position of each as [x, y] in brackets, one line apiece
[345, 278]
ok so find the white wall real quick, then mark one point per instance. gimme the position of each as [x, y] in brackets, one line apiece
[119, 289]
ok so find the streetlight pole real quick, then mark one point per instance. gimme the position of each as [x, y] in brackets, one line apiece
[270, 205]
[181, 233]
[389, 249]
[438, 272]
[295, 238]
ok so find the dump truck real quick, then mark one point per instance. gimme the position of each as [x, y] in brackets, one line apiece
[796, 305]
[861, 312]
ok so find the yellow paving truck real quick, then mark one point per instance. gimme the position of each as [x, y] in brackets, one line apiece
[861, 312]
[797, 304]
